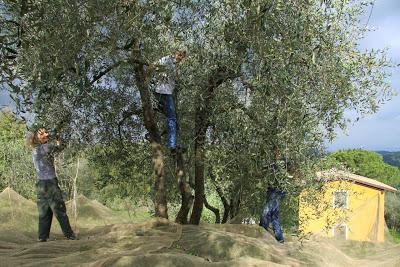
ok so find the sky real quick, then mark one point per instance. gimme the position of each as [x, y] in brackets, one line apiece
[380, 131]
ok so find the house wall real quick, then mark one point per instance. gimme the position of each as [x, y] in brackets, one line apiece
[364, 215]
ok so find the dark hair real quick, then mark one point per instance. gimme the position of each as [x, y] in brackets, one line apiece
[32, 140]
[181, 51]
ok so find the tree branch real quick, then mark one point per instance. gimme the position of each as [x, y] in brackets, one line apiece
[213, 209]
[125, 115]
[10, 21]
[222, 197]
[105, 71]
[127, 45]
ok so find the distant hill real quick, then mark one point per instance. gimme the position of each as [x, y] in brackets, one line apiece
[392, 158]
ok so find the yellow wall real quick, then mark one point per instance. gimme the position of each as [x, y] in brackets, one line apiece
[364, 217]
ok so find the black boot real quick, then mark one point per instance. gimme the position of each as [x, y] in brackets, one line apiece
[72, 237]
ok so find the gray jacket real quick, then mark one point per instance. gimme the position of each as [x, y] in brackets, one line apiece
[165, 83]
[43, 159]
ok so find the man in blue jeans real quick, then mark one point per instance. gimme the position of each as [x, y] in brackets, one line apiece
[165, 86]
[270, 213]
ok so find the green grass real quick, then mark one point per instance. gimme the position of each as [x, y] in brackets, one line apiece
[396, 235]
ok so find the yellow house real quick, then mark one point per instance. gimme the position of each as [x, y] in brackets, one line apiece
[347, 206]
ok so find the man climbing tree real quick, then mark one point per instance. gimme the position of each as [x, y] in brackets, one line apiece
[165, 86]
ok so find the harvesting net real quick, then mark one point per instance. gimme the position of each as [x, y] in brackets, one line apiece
[105, 241]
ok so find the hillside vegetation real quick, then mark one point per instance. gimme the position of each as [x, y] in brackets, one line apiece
[392, 158]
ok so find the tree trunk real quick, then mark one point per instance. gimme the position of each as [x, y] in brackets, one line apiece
[213, 209]
[200, 126]
[159, 184]
[186, 194]
[183, 186]
[155, 140]
[202, 122]
[225, 217]
[221, 196]
[234, 207]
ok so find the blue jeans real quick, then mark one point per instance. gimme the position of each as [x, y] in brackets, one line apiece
[168, 107]
[270, 213]
[273, 218]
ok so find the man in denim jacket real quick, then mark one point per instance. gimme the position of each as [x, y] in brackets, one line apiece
[270, 213]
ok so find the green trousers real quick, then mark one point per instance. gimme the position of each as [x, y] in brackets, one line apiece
[49, 202]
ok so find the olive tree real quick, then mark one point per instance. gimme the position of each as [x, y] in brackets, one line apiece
[260, 77]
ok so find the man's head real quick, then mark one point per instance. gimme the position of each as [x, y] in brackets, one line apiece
[179, 55]
[277, 153]
[39, 135]
[42, 135]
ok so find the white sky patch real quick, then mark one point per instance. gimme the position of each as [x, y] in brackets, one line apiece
[386, 35]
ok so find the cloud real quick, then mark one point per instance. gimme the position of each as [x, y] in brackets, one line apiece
[385, 20]
[375, 135]
[385, 35]
[380, 131]
[384, 8]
